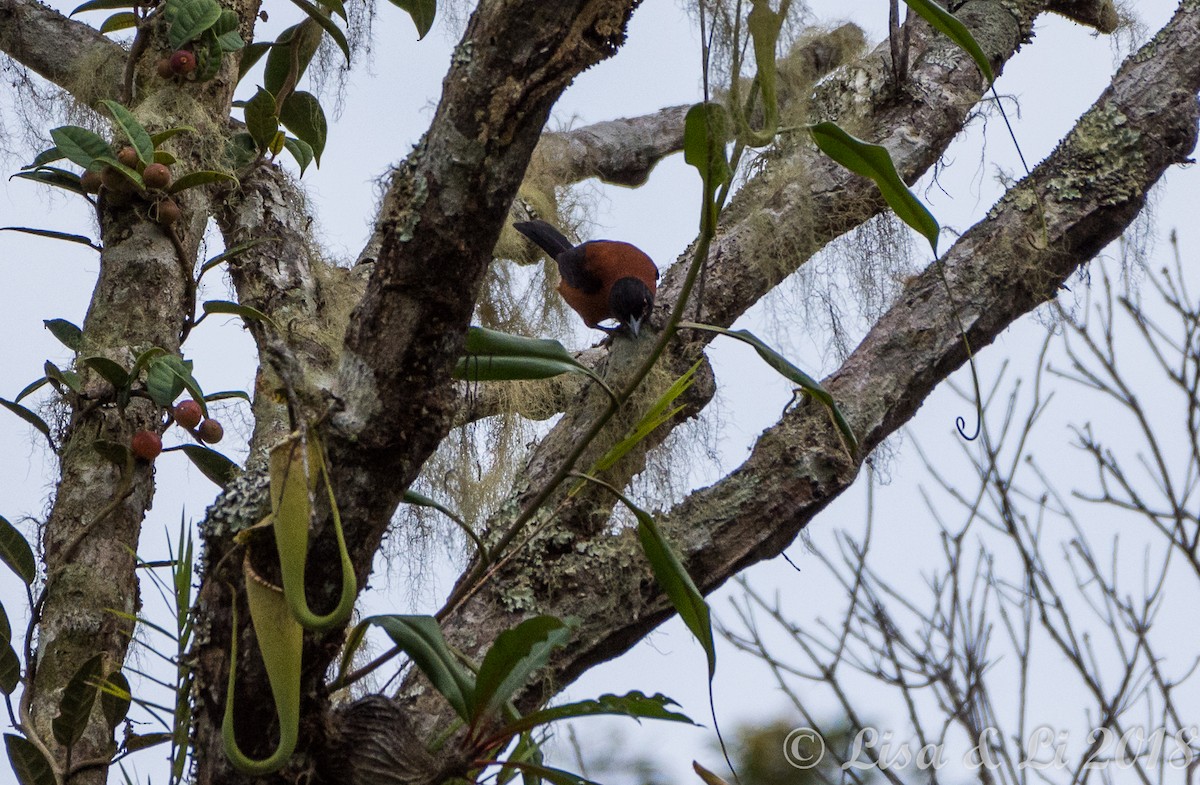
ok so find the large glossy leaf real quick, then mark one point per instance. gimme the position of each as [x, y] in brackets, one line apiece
[422, 12]
[111, 370]
[261, 120]
[294, 48]
[302, 115]
[211, 463]
[190, 18]
[68, 333]
[493, 356]
[10, 668]
[16, 553]
[137, 135]
[510, 662]
[780, 363]
[632, 704]
[58, 178]
[28, 762]
[956, 31]
[874, 161]
[163, 381]
[75, 705]
[115, 698]
[79, 145]
[421, 639]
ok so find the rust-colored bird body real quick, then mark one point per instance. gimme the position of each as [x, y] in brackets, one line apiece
[601, 279]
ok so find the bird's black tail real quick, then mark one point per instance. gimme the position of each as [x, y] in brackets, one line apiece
[546, 236]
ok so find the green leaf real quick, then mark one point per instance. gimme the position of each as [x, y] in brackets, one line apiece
[49, 175]
[16, 553]
[515, 656]
[104, 5]
[225, 32]
[68, 379]
[79, 145]
[301, 151]
[240, 150]
[121, 21]
[115, 698]
[335, 7]
[166, 378]
[208, 56]
[203, 177]
[942, 20]
[130, 174]
[261, 120]
[5, 626]
[507, 369]
[67, 333]
[251, 55]
[225, 395]
[873, 161]
[421, 639]
[163, 157]
[111, 370]
[75, 705]
[31, 388]
[163, 136]
[230, 253]
[318, 15]
[190, 18]
[211, 463]
[421, 11]
[137, 135]
[47, 156]
[483, 341]
[706, 130]
[298, 42]
[302, 115]
[245, 311]
[231, 41]
[657, 414]
[28, 762]
[632, 704]
[53, 235]
[790, 372]
[29, 417]
[10, 668]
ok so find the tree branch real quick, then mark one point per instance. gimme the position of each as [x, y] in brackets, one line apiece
[72, 55]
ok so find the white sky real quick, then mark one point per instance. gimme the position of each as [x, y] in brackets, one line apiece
[1055, 79]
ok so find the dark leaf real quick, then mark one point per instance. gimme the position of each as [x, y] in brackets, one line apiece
[211, 463]
[72, 238]
[29, 417]
[68, 334]
[421, 639]
[16, 553]
[633, 704]
[302, 115]
[121, 21]
[421, 11]
[111, 370]
[28, 762]
[515, 656]
[115, 698]
[318, 15]
[137, 135]
[75, 705]
[49, 175]
[301, 151]
[10, 668]
[204, 177]
[190, 18]
[261, 120]
[943, 20]
[79, 145]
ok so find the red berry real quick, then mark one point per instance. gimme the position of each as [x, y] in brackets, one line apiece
[128, 156]
[183, 62]
[156, 176]
[188, 414]
[146, 445]
[210, 431]
[114, 181]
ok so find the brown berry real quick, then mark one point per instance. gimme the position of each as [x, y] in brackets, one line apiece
[156, 176]
[210, 431]
[91, 182]
[188, 414]
[128, 157]
[183, 62]
[115, 181]
[146, 445]
[164, 68]
[167, 212]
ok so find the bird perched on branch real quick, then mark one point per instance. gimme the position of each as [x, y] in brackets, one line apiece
[601, 279]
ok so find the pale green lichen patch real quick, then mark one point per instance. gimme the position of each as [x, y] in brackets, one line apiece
[1101, 160]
